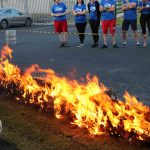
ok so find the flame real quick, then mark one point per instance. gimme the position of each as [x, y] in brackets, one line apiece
[88, 103]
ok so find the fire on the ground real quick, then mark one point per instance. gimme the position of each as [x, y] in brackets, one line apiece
[87, 103]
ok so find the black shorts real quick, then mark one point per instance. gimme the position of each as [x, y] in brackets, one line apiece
[127, 23]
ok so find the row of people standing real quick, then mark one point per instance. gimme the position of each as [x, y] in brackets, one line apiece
[104, 12]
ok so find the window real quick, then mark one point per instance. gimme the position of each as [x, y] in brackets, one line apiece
[16, 12]
[7, 11]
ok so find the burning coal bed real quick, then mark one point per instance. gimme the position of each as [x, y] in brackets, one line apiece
[89, 105]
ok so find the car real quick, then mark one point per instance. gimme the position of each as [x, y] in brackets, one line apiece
[9, 17]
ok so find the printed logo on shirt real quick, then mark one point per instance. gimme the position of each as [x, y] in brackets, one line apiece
[107, 5]
[92, 8]
[58, 9]
[147, 6]
[78, 10]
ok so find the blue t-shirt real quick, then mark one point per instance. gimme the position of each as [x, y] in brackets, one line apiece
[107, 15]
[59, 8]
[80, 18]
[130, 14]
[93, 12]
[147, 5]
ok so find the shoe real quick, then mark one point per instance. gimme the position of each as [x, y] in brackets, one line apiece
[94, 45]
[115, 46]
[138, 45]
[66, 45]
[124, 45]
[81, 46]
[62, 45]
[104, 46]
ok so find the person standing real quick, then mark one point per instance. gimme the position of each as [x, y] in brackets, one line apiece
[59, 11]
[94, 21]
[130, 18]
[79, 11]
[144, 9]
[107, 7]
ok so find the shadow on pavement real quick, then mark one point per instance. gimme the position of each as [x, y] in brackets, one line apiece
[4, 145]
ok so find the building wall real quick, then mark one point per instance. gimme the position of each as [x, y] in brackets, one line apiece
[34, 6]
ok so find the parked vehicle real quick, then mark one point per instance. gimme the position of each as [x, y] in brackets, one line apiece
[9, 17]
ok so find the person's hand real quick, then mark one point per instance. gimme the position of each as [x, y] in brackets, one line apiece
[57, 15]
[75, 13]
[78, 13]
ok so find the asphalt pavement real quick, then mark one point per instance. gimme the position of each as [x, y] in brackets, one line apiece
[121, 69]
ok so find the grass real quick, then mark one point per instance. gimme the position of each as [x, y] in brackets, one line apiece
[119, 21]
[29, 129]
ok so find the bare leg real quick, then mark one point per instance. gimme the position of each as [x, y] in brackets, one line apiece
[105, 38]
[65, 37]
[144, 39]
[124, 36]
[60, 37]
[136, 36]
[113, 39]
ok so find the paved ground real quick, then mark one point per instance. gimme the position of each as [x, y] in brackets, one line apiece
[121, 69]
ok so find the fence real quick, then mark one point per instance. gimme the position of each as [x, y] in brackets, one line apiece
[38, 9]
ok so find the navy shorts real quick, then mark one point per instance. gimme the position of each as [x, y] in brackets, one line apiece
[127, 23]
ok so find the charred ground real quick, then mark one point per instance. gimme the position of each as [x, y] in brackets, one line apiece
[26, 128]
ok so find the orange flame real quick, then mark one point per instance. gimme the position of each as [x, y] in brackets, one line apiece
[88, 103]
[5, 52]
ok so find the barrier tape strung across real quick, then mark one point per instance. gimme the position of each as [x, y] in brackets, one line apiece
[74, 33]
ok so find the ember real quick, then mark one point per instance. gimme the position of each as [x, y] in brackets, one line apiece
[89, 105]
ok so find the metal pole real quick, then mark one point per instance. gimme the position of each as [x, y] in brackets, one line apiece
[1, 3]
[26, 6]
